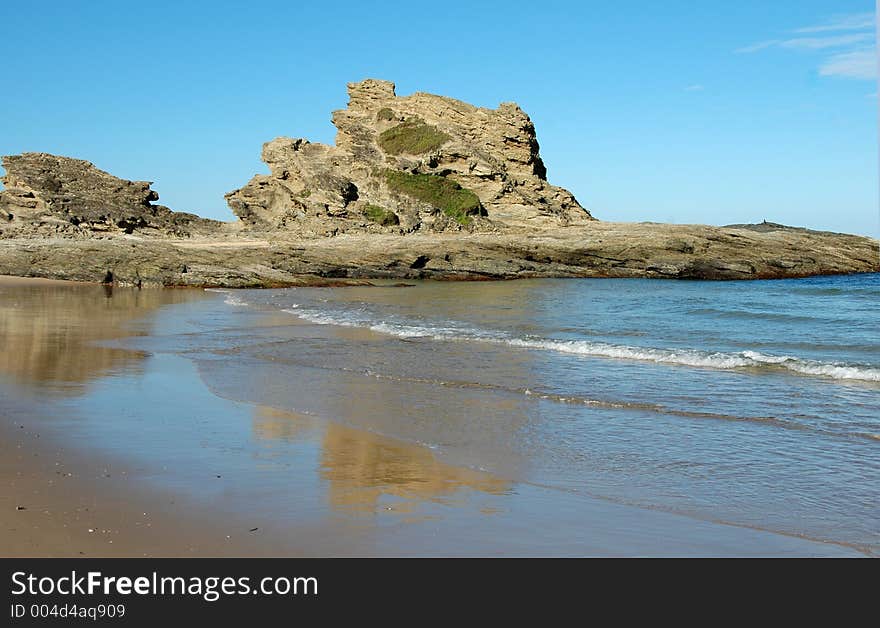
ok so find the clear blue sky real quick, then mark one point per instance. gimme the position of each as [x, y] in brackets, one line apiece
[681, 111]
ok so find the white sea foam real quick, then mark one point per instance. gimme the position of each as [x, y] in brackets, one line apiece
[836, 371]
[716, 360]
[598, 349]
[401, 330]
[684, 357]
[231, 298]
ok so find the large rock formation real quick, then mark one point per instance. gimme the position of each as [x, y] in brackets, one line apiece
[62, 196]
[420, 186]
[404, 164]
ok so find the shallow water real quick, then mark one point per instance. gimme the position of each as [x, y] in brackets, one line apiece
[751, 403]
[530, 417]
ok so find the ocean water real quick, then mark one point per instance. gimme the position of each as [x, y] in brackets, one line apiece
[752, 404]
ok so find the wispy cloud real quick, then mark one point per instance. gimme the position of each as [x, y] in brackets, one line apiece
[852, 22]
[859, 64]
[818, 43]
[853, 55]
[694, 88]
[808, 43]
[761, 45]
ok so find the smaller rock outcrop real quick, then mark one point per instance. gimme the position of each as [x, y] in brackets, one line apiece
[60, 195]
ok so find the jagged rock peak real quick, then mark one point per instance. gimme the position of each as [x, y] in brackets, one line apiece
[408, 163]
[362, 95]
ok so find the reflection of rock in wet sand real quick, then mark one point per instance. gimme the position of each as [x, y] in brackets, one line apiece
[364, 468]
[47, 332]
[273, 424]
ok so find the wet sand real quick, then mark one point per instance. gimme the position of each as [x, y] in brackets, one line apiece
[58, 501]
[55, 502]
[113, 450]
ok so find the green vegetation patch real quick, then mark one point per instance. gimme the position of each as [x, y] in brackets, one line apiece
[380, 215]
[413, 137]
[385, 114]
[444, 194]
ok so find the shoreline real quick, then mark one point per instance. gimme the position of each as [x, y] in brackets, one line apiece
[313, 281]
[15, 281]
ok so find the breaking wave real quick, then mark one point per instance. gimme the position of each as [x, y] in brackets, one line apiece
[231, 298]
[684, 357]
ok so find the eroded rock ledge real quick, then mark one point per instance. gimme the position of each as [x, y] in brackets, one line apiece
[420, 186]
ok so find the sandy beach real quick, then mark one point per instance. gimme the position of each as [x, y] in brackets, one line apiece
[57, 503]
[114, 444]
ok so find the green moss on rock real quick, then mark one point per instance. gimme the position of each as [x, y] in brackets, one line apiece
[382, 216]
[413, 137]
[444, 194]
[385, 114]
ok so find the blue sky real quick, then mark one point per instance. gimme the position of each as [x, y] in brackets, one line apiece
[714, 112]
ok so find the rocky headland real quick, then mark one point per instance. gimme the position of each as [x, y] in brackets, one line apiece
[419, 186]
